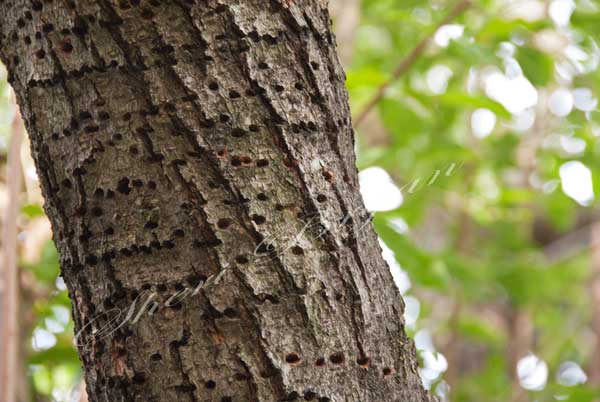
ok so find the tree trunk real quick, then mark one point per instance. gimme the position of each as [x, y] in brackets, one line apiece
[196, 159]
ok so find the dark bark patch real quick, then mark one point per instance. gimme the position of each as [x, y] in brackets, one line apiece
[223, 223]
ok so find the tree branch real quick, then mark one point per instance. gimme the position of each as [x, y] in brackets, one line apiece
[409, 60]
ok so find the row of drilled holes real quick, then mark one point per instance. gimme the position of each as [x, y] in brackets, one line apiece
[338, 358]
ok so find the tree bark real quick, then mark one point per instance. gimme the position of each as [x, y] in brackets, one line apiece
[196, 159]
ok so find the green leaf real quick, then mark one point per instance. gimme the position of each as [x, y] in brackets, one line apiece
[463, 100]
[538, 67]
[32, 210]
[47, 268]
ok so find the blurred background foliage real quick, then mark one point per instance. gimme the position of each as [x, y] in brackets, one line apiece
[481, 165]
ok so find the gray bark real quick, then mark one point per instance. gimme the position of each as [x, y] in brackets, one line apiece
[207, 146]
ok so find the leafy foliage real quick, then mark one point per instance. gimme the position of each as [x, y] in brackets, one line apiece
[477, 243]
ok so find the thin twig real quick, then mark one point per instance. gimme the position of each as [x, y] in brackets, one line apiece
[9, 376]
[409, 60]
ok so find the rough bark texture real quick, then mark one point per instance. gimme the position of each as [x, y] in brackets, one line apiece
[208, 142]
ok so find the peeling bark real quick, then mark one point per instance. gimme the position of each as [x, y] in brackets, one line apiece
[199, 154]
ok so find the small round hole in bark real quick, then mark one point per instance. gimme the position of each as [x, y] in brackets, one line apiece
[210, 384]
[66, 46]
[123, 186]
[263, 66]
[262, 163]
[213, 86]
[320, 362]
[137, 183]
[299, 86]
[234, 94]
[155, 357]
[297, 250]
[321, 198]
[224, 118]
[92, 128]
[387, 371]
[279, 88]
[337, 358]
[310, 396]
[223, 223]
[259, 219]
[363, 362]
[109, 231]
[314, 65]
[238, 132]
[293, 359]
[262, 197]
[40, 54]
[178, 233]
[236, 161]
[152, 185]
[241, 259]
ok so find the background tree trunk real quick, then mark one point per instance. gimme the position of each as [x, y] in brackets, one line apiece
[204, 145]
